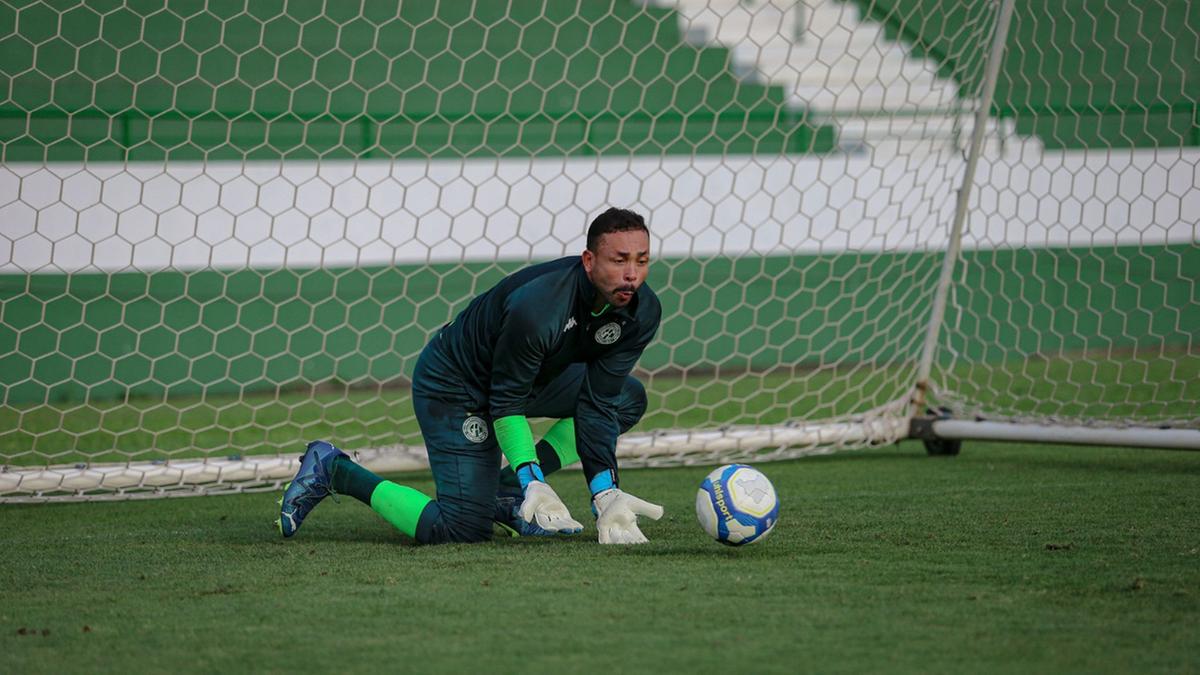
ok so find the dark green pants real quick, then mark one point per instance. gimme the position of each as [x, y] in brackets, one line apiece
[461, 442]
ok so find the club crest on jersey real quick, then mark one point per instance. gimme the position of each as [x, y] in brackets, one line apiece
[608, 333]
[475, 429]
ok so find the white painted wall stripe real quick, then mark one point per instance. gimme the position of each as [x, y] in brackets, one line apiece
[143, 217]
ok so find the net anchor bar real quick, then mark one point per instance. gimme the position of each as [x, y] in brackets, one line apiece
[1137, 437]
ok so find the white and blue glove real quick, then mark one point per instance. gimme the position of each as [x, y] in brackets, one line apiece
[541, 505]
[616, 516]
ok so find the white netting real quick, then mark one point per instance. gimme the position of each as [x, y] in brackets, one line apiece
[227, 228]
[1075, 301]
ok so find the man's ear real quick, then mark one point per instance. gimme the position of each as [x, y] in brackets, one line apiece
[589, 259]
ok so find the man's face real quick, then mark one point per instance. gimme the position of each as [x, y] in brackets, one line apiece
[618, 267]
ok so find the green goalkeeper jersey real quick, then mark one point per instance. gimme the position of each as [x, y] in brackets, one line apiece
[523, 332]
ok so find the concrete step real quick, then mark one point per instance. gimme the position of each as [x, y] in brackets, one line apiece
[831, 61]
[798, 63]
[872, 98]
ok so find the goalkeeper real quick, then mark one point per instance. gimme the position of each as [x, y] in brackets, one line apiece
[557, 340]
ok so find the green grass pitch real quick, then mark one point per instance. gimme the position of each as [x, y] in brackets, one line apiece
[1004, 559]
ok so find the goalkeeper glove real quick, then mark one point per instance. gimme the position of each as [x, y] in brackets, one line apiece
[541, 505]
[616, 516]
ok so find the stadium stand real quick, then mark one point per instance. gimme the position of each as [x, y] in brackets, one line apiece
[1101, 74]
[447, 79]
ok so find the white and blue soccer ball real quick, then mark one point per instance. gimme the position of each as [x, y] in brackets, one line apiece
[737, 505]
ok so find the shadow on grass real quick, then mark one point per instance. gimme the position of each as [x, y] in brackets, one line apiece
[690, 551]
[1095, 460]
[1034, 455]
[903, 451]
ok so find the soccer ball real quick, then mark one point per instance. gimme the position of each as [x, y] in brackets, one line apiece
[736, 505]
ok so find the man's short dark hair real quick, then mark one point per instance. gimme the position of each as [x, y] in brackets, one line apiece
[614, 220]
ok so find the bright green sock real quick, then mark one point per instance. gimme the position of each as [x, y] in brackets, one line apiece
[561, 437]
[399, 505]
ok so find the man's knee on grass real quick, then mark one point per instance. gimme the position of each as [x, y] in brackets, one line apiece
[444, 522]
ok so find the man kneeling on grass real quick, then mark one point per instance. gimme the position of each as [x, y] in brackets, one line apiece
[557, 340]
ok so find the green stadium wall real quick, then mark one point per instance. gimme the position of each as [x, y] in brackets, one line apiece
[96, 336]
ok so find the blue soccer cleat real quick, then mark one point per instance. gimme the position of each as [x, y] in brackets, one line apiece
[508, 515]
[313, 482]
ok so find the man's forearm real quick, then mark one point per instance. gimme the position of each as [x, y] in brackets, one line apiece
[515, 439]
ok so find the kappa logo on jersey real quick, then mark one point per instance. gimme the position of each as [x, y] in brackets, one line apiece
[608, 333]
[475, 429]
[570, 324]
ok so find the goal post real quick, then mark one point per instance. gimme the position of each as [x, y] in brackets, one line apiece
[228, 228]
[1064, 352]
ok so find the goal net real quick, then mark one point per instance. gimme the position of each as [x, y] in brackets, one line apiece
[228, 228]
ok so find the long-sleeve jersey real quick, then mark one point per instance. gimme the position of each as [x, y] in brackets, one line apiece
[524, 331]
